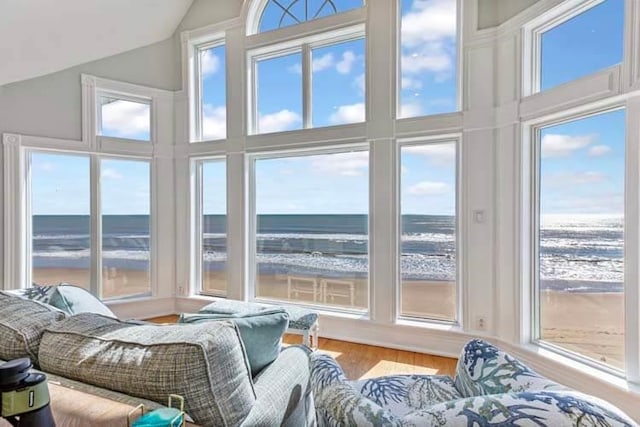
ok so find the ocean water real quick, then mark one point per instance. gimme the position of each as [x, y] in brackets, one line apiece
[578, 254]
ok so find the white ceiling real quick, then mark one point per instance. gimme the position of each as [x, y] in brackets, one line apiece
[39, 37]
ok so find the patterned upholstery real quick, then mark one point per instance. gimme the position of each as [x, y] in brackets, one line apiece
[403, 394]
[204, 363]
[484, 369]
[22, 323]
[40, 293]
[491, 388]
[535, 408]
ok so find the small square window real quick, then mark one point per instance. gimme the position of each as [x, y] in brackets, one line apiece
[589, 42]
[123, 118]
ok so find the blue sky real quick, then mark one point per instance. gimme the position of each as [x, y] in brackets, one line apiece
[588, 153]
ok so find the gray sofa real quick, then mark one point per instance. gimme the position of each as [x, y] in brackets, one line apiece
[204, 363]
[491, 388]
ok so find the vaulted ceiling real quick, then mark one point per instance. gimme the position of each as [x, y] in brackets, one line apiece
[39, 37]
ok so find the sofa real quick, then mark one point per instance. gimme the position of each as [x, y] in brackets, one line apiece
[491, 388]
[206, 363]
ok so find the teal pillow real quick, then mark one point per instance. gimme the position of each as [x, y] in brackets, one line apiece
[261, 333]
[74, 300]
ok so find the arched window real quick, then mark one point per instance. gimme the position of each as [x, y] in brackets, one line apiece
[282, 13]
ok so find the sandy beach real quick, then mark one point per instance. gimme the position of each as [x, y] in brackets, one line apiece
[589, 323]
[115, 283]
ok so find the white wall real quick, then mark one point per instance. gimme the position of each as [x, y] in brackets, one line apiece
[51, 105]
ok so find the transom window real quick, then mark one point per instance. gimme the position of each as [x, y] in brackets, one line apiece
[210, 98]
[282, 13]
[124, 117]
[324, 77]
[428, 82]
[586, 41]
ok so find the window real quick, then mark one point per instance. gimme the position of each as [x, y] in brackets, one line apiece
[330, 91]
[311, 238]
[125, 197]
[124, 118]
[61, 219]
[588, 42]
[580, 239]
[338, 83]
[278, 109]
[211, 97]
[428, 58]
[62, 227]
[428, 221]
[282, 13]
[214, 227]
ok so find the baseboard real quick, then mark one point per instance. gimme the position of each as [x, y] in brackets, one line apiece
[143, 308]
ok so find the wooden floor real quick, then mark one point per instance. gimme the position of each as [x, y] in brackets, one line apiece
[361, 361]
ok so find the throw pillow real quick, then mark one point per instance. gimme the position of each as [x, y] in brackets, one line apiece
[261, 333]
[75, 300]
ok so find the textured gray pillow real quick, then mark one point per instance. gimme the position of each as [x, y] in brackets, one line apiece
[205, 364]
[22, 323]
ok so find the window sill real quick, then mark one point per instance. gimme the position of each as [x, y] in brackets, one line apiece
[611, 378]
[430, 324]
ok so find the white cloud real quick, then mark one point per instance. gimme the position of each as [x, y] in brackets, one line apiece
[410, 83]
[214, 122]
[599, 150]
[209, 63]
[574, 178]
[438, 154]
[557, 145]
[354, 113]
[428, 188]
[345, 65]
[322, 63]
[125, 119]
[432, 57]
[410, 109]
[111, 174]
[428, 21]
[428, 39]
[342, 164]
[280, 121]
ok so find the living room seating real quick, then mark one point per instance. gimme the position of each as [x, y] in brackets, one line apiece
[490, 388]
[205, 363]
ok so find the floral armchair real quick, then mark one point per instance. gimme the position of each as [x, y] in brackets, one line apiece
[490, 388]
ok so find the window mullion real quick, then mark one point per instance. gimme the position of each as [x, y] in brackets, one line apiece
[198, 93]
[307, 70]
[96, 229]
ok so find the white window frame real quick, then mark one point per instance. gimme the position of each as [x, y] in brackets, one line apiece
[531, 233]
[252, 261]
[196, 47]
[304, 46]
[197, 190]
[420, 142]
[256, 10]
[459, 62]
[95, 191]
[532, 43]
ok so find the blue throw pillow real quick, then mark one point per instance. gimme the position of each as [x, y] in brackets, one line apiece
[261, 333]
[74, 300]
